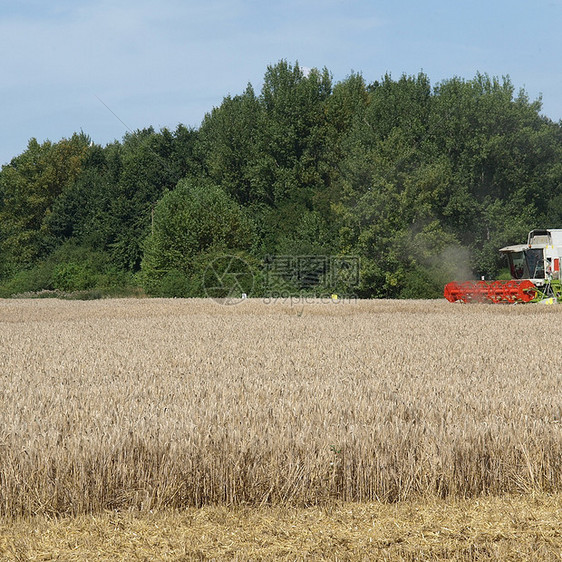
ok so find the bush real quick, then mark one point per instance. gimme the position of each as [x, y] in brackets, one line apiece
[28, 280]
[69, 269]
[422, 283]
[191, 223]
[173, 284]
[74, 277]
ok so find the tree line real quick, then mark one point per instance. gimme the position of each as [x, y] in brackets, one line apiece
[421, 183]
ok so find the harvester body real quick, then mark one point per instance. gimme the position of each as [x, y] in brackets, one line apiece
[535, 274]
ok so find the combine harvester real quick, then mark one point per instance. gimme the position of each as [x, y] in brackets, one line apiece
[535, 274]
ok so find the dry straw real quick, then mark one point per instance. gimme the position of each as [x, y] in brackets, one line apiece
[498, 529]
[150, 404]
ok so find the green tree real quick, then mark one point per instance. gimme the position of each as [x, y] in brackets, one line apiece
[29, 186]
[146, 172]
[413, 179]
[227, 142]
[291, 140]
[194, 220]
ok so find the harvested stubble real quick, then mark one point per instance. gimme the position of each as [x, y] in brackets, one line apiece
[494, 529]
[150, 404]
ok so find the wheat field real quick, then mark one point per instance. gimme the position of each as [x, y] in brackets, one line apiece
[148, 404]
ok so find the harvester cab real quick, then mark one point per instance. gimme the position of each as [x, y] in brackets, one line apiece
[539, 259]
[535, 274]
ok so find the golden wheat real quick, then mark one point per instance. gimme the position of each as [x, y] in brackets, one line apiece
[150, 404]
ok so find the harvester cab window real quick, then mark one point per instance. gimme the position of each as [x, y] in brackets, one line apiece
[535, 261]
[517, 264]
[528, 264]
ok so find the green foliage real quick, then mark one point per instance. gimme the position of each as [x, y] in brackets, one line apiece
[70, 269]
[32, 280]
[29, 186]
[196, 219]
[172, 283]
[72, 277]
[420, 283]
[227, 144]
[423, 183]
[147, 170]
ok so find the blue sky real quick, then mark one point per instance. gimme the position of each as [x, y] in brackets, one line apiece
[169, 62]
